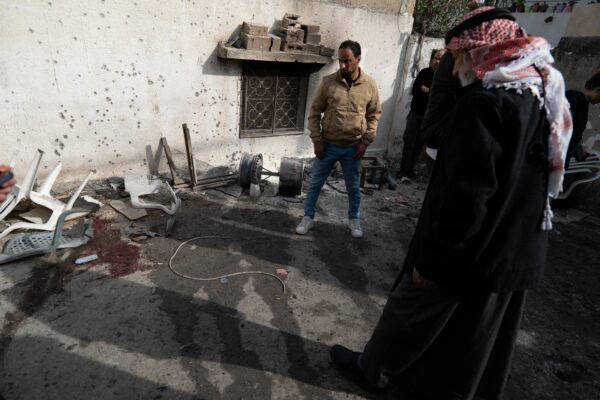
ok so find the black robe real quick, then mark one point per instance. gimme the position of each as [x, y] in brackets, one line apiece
[481, 216]
[479, 240]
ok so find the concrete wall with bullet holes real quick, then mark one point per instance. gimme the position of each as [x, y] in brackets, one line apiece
[93, 82]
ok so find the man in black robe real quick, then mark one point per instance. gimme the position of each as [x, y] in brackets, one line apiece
[449, 326]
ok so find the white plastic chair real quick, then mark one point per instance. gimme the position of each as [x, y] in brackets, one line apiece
[22, 191]
[138, 184]
[44, 199]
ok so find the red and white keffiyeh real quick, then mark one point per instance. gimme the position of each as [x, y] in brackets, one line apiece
[505, 56]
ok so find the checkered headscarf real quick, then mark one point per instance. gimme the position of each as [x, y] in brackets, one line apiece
[485, 34]
[505, 56]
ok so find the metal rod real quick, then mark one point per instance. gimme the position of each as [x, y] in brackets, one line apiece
[213, 185]
[217, 179]
[221, 181]
[269, 173]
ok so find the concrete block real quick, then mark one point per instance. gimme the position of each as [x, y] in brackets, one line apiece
[253, 42]
[293, 47]
[275, 43]
[291, 35]
[254, 29]
[327, 51]
[313, 48]
[313, 38]
[290, 20]
[311, 29]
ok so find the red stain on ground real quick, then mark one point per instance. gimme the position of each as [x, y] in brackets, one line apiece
[122, 258]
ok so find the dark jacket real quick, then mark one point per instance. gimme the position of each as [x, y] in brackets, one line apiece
[480, 221]
[579, 106]
[418, 104]
[442, 99]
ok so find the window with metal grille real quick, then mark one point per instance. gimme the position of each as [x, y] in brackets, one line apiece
[273, 99]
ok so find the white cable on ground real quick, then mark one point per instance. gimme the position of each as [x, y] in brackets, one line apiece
[217, 277]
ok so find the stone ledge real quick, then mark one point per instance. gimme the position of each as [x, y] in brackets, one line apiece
[234, 53]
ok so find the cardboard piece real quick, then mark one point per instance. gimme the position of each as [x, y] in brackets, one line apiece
[128, 211]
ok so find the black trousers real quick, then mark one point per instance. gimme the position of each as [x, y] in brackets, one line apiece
[445, 344]
[412, 145]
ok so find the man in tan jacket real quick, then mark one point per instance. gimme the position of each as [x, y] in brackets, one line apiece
[342, 122]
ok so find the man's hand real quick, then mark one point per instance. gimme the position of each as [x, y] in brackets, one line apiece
[319, 149]
[7, 186]
[424, 89]
[360, 151]
[420, 281]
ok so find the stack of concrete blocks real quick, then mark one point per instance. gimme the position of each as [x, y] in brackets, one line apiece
[291, 33]
[312, 38]
[255, 37]
[301, 37]
[313, 41]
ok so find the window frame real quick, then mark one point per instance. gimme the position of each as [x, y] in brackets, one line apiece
[279, 72]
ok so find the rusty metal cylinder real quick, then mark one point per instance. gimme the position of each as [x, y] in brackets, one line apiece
[291, 176]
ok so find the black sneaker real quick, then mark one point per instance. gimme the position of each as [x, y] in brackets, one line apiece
[346, 362]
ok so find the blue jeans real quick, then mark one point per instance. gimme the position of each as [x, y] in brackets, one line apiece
[322, 169]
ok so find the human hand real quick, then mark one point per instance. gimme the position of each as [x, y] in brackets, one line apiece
[319, 149]
[424, 89]
[360, 151]
[6, 187]
[419, 280]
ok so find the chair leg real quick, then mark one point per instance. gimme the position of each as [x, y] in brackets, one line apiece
[77, 192]
[50, 179]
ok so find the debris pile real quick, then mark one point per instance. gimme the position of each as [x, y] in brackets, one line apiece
[49, 214]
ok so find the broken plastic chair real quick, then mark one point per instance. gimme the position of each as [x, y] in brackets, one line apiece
[28, 245]
[138, 184]
[22, 191]
[44, 199]
[591, 165]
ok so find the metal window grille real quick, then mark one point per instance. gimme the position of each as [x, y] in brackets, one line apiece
[273, 100]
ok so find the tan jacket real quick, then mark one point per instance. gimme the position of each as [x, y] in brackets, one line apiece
[350, 114]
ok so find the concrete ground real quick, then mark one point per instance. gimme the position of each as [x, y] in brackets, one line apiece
[126, 327]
